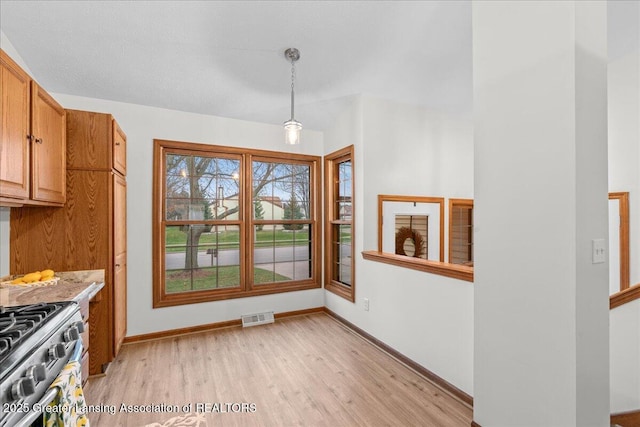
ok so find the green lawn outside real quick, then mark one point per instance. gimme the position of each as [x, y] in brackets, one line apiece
[205, 278]
[176, 240]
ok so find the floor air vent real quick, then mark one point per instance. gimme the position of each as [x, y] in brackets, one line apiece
[257, 319]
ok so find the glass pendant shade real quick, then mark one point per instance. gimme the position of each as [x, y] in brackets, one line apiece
[292, 130]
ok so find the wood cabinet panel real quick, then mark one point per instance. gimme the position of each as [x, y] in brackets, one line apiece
[119, 302]
[37, 240]
[120, 261]
[119, 215]
[89, 138]
[15, 116]
[119, 149]
[88, 221]
[48, 147]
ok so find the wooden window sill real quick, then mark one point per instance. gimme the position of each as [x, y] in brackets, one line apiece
[454, 271]
[625, 296]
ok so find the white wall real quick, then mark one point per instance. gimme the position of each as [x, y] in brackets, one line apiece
[143, 124]
[405, 150]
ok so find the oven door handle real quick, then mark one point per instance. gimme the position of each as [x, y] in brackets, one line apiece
[76, 356]
[31, 416]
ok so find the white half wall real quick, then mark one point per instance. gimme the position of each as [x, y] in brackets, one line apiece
[142, 124]
[405, 150]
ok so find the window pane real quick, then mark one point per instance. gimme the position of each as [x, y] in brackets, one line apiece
[201, 188]
[281, 255]
[284, 190]
[343, 250]
[461, 239]
[201, 257]
[343, 199]
[344, 176]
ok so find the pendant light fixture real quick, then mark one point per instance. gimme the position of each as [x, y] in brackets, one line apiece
[292, 127]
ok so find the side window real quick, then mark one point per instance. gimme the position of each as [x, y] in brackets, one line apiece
[339, 225]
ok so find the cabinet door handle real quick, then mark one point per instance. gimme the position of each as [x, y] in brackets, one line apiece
[38, 140]
[117, 143]
[117, 265]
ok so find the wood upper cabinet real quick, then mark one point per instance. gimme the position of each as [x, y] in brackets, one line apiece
[95, 141]
[16, 122]
[48, 147]
[32, 153]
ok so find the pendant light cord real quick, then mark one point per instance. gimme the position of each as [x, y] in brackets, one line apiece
[293, 71]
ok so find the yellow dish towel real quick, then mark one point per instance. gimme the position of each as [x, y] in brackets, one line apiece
[67, 407]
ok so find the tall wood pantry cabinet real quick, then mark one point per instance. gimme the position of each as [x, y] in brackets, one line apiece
[32, 141]
[89, 232]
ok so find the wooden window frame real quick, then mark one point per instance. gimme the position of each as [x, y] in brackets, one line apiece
[330, 192]
[245, 221]
[453, 203]
[441, 268]
[412, 199]
[623, 203]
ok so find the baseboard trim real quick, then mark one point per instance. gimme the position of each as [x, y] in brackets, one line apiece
[626, 419]
[171, 333]
[440, 382]
[475, 424]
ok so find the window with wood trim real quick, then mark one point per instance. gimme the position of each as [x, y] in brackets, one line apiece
[339, 226]
[461, 231]
[231, 222]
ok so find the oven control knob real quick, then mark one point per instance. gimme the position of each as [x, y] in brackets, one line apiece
[56, 351]
[37, 372]
[22, 388]
[79, 326]
[71, 334]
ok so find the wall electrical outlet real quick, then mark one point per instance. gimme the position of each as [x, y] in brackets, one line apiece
[366, 304]
[599, 251]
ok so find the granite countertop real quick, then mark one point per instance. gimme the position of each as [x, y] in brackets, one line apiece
[72, 286]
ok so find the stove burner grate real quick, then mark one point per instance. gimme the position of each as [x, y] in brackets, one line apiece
[18, 323]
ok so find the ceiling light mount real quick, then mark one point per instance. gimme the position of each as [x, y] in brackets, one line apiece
[292, 54]
[292, 127]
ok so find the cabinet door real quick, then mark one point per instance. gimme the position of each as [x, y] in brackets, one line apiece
[89, 140]
[119, 149]
[120, 261]
[48, 151]
[15, 116]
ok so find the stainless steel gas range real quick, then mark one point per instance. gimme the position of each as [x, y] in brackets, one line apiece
[36, 342]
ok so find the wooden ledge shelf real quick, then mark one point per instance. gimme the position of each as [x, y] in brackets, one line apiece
[454, 271]
[624, 296]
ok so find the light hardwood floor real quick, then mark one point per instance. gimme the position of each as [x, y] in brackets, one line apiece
[301, 371]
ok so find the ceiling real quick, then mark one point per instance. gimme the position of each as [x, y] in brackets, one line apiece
[225, 58]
